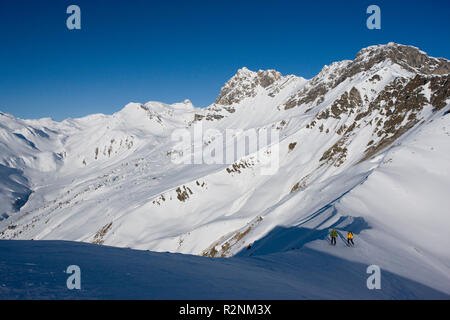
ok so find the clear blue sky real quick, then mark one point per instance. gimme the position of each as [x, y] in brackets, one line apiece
[172, 50]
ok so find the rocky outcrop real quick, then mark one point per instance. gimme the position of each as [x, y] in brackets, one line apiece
[407, 57]
[244, 84]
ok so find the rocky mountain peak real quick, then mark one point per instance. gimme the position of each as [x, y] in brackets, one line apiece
[369, 60]
[408, 57]
[244, 84]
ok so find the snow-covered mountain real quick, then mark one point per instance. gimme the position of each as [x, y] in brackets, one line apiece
[363, 146]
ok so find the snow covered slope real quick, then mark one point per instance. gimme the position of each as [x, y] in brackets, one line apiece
[363, 146]
[35, 270]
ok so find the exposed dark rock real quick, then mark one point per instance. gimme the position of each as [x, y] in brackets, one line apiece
[243, 85]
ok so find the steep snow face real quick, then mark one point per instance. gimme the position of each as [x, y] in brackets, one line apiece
[354, 153]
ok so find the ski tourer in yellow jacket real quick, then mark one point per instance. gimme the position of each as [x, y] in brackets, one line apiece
[350, 238]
